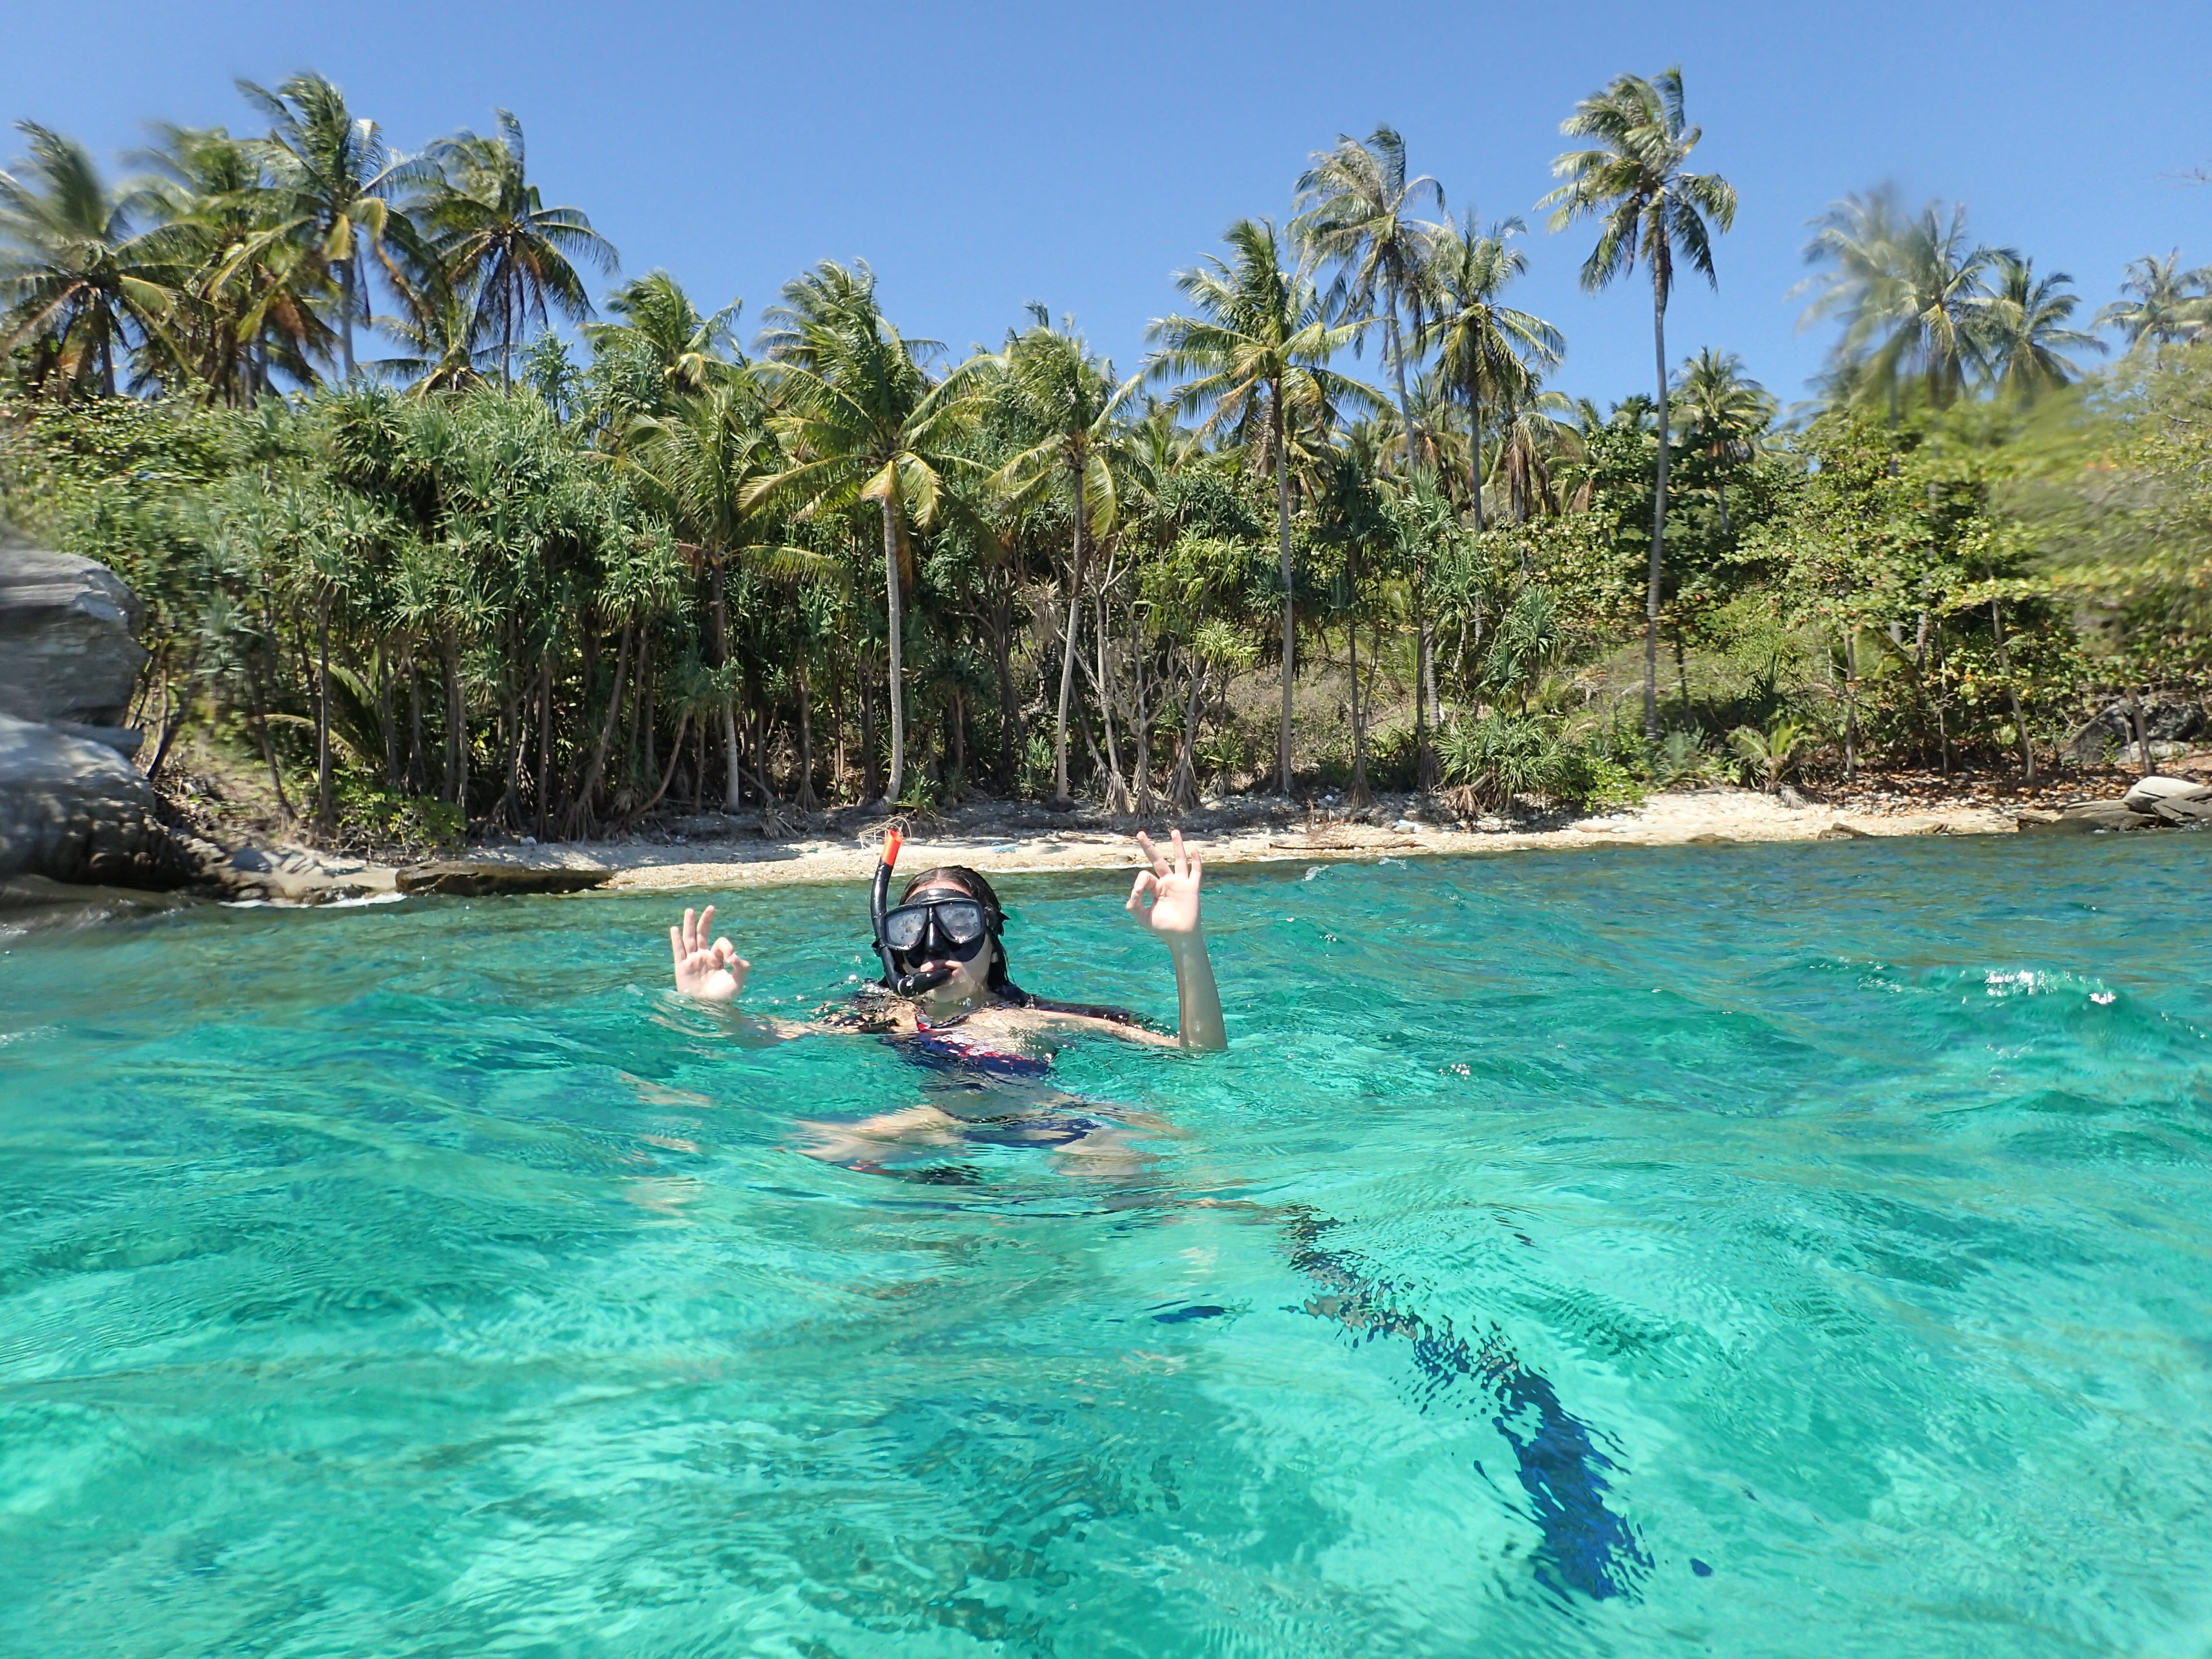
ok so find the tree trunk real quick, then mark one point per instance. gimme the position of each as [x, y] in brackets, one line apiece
[806, 800]
[345, 309]
[1009, 711]
[1117, 794]
[1290, 599]
[1851, 703]
[1658, 515]
[1081, 557]
[1398, 370]
[543, 820]
[1424, 768]
[675, 754]
[894, 611]
[386, 717]
[2141, 732]
[1359, 795]
[414, 764]
[456, 729]
[323, 721]
[261, 731]
[580, 815]
[871, 776]
[1182, 788]
[733, 791]
[2012, 697]
[1475, 456]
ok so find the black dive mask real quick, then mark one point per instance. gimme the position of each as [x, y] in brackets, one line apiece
[938, 924]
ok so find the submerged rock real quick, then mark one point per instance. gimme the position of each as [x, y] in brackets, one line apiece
[73, 810]
[33, 904]
[470, 879]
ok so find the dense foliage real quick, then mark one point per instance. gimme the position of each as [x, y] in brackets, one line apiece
[554, 584]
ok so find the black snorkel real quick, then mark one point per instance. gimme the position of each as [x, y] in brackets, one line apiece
[900, 981]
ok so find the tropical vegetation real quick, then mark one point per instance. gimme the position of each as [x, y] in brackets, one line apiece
[437, 532]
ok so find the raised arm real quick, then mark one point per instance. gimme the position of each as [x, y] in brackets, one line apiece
[713, 972]
[1165, 900]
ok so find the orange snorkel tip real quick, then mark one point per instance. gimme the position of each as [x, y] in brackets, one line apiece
[892, 841]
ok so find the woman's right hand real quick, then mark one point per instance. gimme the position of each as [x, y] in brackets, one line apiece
[714, 972]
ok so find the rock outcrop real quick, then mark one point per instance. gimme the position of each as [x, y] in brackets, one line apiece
[72, 806]
[471, 879]
[2170, 725]
[74, 810]
[2152, 804]
[69, 655]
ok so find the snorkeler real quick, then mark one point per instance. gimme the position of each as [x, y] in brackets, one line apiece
[944, 959]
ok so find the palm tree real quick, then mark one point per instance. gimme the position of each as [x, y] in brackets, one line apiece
[1058, 389]
[864, 423]
[77, 284]
[1489, 352]
[659, 320]
[497, 242]
[339, 177]
[1634, 182]
[1259, 353]
[1724, 414]
[2169, 305]
[256, 295]
[2024, 333]
[1357, 204]
[1909, 290]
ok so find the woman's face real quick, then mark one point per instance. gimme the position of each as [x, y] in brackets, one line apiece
[970, 982]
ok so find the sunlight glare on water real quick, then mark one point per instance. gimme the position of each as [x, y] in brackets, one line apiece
[1788, 1250]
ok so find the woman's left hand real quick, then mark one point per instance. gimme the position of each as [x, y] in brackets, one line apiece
[1165, 896]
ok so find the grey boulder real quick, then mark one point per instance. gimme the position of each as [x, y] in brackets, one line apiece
[68, 652]
[2147, 792]
[74, 810]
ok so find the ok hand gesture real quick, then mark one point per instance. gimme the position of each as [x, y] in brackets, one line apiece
[1165, 896]
[715, 972]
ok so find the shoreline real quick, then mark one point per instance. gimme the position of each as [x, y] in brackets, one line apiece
[1713, 817]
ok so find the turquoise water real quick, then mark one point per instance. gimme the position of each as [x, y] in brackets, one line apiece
[1802, 1250]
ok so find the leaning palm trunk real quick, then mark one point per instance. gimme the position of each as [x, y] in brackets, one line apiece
[895, 612]
[1059, 795]
[1289, 602]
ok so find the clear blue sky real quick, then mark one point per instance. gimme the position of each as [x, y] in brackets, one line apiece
[980, 156]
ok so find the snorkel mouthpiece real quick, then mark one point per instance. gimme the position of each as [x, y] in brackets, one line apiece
[905, 984]
[928, 979]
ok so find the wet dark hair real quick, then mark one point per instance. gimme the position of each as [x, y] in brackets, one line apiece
[994, 917]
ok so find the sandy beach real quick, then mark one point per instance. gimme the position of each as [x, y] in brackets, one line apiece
[1706, 817]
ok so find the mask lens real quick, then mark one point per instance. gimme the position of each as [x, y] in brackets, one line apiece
[960, 921]
[903, 928]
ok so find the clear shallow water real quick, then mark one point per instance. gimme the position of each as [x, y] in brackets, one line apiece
[1728, 1251]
